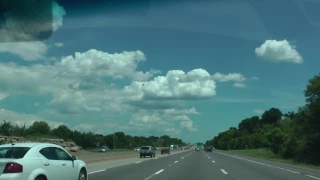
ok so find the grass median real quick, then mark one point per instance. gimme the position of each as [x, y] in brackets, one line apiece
[267, 155]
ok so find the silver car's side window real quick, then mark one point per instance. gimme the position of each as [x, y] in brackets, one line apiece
[48, 153]
[61, 154]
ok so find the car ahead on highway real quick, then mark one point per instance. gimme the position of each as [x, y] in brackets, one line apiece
[104, 149]
[165, 151]
[39, 161]
[147, 151]
[208, 148]
[197, 149]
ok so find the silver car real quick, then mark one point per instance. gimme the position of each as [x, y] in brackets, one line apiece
[104, 149]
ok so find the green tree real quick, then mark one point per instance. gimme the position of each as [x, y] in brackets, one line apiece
[39, 128]
[250, 124]
[62, 131]
[6, 128]
[276, 137]
[271, 116]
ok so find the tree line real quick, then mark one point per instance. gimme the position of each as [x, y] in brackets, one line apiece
[292, 135]
[87, 140]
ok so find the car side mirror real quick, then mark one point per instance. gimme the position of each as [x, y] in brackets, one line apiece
[74, 158]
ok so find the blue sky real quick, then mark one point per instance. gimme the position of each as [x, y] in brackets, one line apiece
[188, 70]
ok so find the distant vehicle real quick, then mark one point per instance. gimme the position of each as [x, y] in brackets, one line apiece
[137, 149]
[39, 161]
[104, 149]
[147, 151]
[208, 148]
[174, 146]
[197, 149]
[165, 151]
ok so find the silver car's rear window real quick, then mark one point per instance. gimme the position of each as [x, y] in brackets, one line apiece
[145, 148]
[13, 152]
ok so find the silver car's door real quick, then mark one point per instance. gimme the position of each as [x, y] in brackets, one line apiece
[49, 163]
[68, 167]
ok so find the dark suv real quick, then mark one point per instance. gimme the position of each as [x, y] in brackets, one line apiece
[147, 151]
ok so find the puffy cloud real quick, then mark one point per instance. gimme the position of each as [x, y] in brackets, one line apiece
[94, 63]
[184, 111]
[27, 119]
[59, 44]
[176, 85]
[185, 122]
[28, 51]
[239, 85]
[228, 77]
[279, 51]
[258, 111]
[159, 119]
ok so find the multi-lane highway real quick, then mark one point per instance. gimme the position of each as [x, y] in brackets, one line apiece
[189, 165]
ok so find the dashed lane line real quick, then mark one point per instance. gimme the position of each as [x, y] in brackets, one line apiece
[223, 171]
[158, 172]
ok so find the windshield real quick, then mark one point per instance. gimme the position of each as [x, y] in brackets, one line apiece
[13, 152]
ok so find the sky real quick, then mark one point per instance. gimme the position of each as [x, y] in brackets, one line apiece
[186, 69]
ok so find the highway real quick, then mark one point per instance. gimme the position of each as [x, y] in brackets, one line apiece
[189, 165]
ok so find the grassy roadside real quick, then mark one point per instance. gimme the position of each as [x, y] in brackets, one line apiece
[267, 155]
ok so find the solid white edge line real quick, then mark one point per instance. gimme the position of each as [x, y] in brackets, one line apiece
[159, 171]
[223, 171]
[312, 176]
[268, 165]
[138, 162]
[97, 171]
[292, 171]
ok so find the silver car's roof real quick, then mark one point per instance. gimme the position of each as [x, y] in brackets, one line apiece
[27, 144]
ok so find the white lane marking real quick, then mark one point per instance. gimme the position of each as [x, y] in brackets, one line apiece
[182, 157]
[209, 157]
[175, 161]
[292, 171]
[97, 171]
[170, 165]
[159, 171]
[138, 162]
[312, 176]
[213, 162]
[267, 165]
[223, 171]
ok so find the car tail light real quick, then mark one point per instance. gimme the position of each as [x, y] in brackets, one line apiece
[13, 168]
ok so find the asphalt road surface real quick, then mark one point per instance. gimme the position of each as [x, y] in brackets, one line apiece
[196, 165]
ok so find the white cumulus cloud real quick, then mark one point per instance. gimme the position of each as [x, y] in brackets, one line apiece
[176, 85]
[239, 85]
[192, 110]
[59, 44]
[279, 51]
[237, 77]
